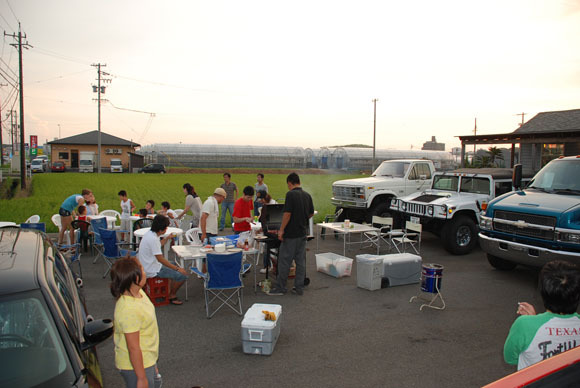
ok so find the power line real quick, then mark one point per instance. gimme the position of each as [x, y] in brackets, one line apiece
[11, 10]
[7, 23]
[163, 84]
[54, 54]
[61, 76]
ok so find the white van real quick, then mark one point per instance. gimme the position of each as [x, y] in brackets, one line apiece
[116, 165]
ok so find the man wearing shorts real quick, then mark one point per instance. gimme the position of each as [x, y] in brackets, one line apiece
[155, 265]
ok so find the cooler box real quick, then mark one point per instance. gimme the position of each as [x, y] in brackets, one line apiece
[229, 240]
[258, 335]
[333, 264]
[400, 269]
[369, 272]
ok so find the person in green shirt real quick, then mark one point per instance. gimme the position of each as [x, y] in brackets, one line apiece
[536, 337]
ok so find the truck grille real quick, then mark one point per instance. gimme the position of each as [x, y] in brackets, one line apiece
[415, 208]
[343, 192]
[529, 230]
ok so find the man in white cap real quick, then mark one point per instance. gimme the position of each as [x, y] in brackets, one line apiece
[209, 214]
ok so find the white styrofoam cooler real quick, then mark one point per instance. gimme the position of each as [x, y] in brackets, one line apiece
[398, 268]
[258, 335]
[333, 264]
[369, 272]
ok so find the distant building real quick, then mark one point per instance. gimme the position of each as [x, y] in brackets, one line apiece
[546, 136]
[67, 150]
[433, 145]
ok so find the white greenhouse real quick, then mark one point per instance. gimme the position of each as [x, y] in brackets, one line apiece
[228, 156]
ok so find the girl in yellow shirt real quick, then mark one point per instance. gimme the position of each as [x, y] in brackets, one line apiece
[136, 334]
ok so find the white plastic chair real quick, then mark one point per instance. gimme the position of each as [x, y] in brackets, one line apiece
[56, 221]
[33, 219]
[112, 213]
[411, 237]
[192, 236]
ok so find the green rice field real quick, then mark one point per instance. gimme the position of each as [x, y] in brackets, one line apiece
[50, 190]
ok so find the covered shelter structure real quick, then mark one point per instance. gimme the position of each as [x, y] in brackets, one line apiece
[546, 136]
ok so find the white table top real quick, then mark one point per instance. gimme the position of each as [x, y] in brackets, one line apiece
[109, 218]
[194, 251]
[135, 218]
[354, 227]
[7, 223]
[141, 232]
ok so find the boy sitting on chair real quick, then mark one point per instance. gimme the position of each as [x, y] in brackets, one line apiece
[150, 255]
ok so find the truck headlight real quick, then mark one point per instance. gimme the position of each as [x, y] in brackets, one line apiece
[569, 237]
[430, 210]
[394, 203]
[485, 223]
[360, 192]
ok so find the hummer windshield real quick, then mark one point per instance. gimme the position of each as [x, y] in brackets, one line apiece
[392, 169]
[445, 182]
[558, 175]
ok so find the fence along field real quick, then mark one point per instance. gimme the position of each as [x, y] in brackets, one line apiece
[49, 190]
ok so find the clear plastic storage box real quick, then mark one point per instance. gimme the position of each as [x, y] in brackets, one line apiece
[333, 264]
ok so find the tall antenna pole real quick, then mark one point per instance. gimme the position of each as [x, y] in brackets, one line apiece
[521, 114]
[19, 45]
[374, 132]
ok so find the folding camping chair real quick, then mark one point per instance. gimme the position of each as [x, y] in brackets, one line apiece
[98, 224]
[111, 250]
[411, 237]
[222, 283]
[384, 234]
[34, 225]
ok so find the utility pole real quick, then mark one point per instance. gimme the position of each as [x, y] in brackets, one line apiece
[474, 134]
[374, 132]
[99, 89]
[1, 141]
[19, 45]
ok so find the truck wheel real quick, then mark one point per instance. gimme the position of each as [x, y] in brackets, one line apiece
[380, 210]
[501, 264]
[460, 235]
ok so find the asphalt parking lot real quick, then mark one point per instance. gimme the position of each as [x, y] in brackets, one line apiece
[338, 335]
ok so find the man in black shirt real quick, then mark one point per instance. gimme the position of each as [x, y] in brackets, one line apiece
[298, 209]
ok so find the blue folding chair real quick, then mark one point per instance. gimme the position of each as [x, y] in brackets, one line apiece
[97, 225]
[223, 282]
[111, 250]
[34, 225]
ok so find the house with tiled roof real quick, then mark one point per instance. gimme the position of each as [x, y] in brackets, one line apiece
[68, 149]
[544, 137]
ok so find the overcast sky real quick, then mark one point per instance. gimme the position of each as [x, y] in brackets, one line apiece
[300, 73]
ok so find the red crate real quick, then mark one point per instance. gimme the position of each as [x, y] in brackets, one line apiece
[157, 289]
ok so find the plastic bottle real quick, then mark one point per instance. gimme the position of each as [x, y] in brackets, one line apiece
[246, 246]
[157, 380]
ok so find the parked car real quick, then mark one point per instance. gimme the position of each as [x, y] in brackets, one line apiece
[153, 168]
[116, 165]
[58, 167]
[46, 336]
[38, 165]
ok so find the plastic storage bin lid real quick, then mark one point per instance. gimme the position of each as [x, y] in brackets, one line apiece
[255, 318]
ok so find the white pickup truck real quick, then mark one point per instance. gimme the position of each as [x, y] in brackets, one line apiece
[362, 198]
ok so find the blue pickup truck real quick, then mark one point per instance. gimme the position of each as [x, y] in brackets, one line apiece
[538, 224]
